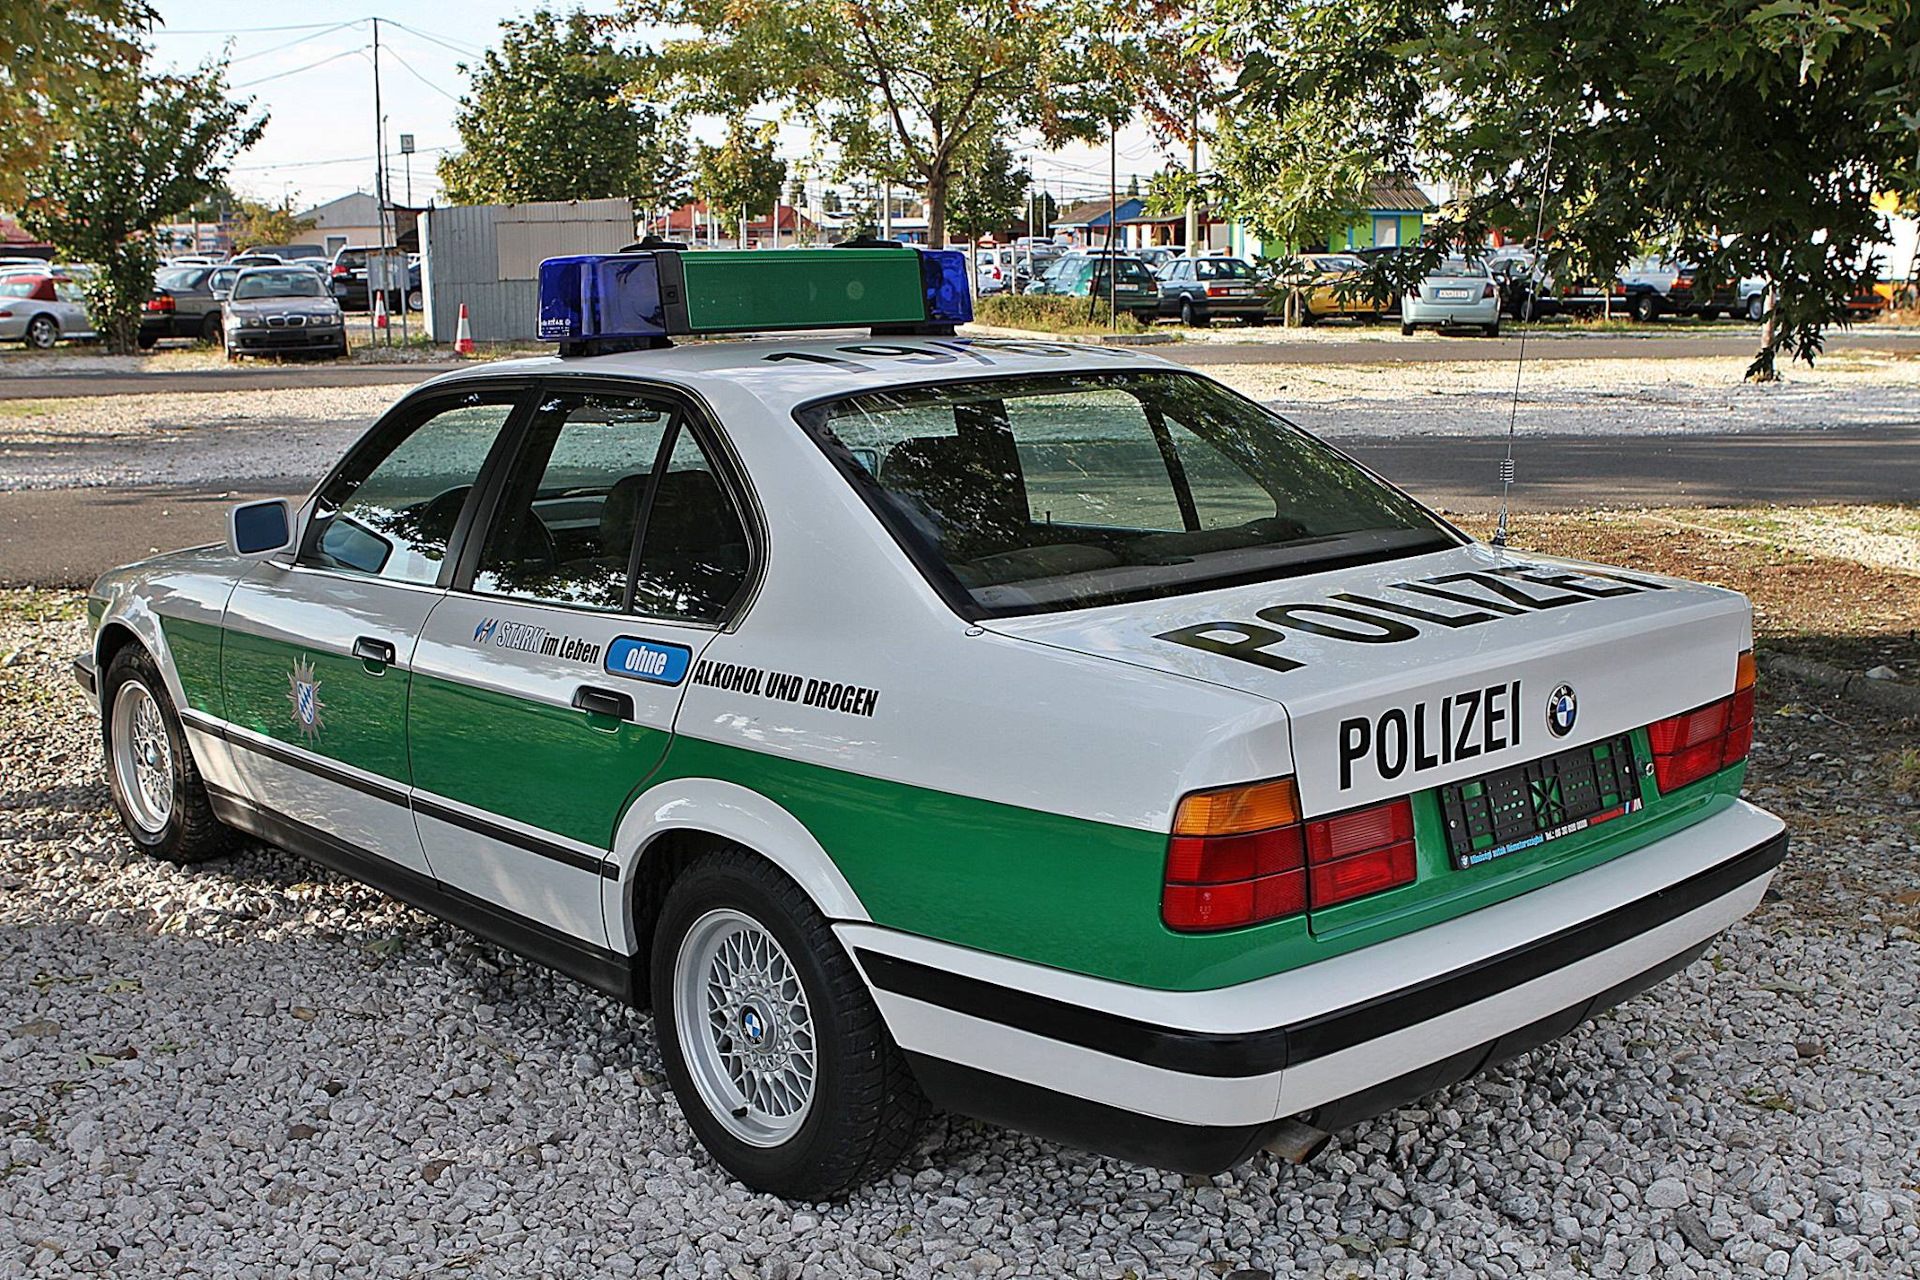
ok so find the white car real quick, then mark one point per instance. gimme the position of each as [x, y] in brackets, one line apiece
[1459, 293]
[1043, 732]
[40, 310]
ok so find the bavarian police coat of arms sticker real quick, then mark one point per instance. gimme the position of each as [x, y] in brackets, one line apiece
[303, 692]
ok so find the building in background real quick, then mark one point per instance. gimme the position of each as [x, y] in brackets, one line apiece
[1085, 224]
[1396, 214]
[488, 256]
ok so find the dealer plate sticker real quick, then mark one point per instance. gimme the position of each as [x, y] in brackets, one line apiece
[1528, 805]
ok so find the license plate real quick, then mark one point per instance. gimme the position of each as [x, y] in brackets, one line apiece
[1452, 294]
[1528, 805]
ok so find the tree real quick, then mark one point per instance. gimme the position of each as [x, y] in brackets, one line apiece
[267, 224]
[549, 118]
[53, 57]
[1746, 139]
[987, 189]
[898, 88]
[830, 201]
[147, 146]
[1041, 209]
[741, 173]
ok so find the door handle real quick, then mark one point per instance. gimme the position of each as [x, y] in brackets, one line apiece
[604, 702]
[368, 649]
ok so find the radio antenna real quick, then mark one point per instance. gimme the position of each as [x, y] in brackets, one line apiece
[1520, 364]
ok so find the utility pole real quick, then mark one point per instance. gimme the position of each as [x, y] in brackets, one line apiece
[377, 264]
[1193, 181]
[1113, 221]
[886, 213]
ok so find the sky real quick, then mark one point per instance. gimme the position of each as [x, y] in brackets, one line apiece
[310, 67]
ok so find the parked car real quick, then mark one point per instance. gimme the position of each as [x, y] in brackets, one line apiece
[24, 266]
[1655, 287]
[282, 310]
[995, 270]
[1201, 290]
[1158, 256]
[1329, 282]
[256, 259]
[182, 305]
[1525, 287]
[1459, 293]
[348, 278]
[41, 310]
[1085, 274]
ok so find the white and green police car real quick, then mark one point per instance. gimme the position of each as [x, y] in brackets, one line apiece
[1041, 732]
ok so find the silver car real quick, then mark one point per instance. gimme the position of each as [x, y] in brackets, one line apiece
[1459, 293]
[282, 309]
[39, 310]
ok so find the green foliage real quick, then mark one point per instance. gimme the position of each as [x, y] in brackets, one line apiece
[1051, 313]
[549, 118]
[54, 57]
[266, 224]
[987, 190]
[1747, 138]
[898, 89]
[146, 147]
[742, 174]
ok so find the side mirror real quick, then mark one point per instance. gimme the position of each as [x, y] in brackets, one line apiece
[256, 530]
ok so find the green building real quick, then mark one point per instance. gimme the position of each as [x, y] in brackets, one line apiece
[1396, 213]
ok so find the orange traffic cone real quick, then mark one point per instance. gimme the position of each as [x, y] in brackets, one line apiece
[380, 309]
[463, 336]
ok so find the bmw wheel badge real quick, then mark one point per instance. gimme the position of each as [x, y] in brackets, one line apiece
[1562, 709]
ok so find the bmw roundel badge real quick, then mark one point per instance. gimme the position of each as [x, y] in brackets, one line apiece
[1562, 709]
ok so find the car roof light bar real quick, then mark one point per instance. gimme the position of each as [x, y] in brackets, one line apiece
[592, 304]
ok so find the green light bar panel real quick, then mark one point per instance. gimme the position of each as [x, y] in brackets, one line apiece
[733, 290]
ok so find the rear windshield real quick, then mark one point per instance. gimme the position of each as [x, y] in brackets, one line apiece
[1461, 268]
[1034, 494]
[1222, 269]
[180, 277]
[277, 282]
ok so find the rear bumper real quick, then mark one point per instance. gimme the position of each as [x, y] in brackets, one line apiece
[1197, 1080]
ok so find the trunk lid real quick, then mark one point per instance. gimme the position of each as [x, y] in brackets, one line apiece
[1402, 676]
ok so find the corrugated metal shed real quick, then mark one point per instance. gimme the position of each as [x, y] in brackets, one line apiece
[487, 256]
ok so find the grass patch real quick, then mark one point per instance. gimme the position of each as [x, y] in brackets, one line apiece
[1052, 314]
[26, 408]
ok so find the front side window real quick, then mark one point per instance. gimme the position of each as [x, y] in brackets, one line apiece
[1052, 492]
[390, 512]
[565, 529]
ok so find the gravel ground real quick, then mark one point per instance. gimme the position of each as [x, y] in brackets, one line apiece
[257, 1068]
[295, 435]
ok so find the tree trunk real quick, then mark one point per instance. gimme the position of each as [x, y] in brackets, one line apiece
[1762, 369]
[937, 183]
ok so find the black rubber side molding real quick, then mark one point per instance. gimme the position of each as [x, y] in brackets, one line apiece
[1272, 1049]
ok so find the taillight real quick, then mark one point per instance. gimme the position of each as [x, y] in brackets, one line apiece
[162, 303]
[1241, 856]
[1236, 858]
[1354, 854]
[1487, 292]
[1414, 290]
[1218, 291]
[338, 270]
[1682, 284]
[1705, 740]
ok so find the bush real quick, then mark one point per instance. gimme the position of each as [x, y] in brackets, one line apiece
[1051, 313]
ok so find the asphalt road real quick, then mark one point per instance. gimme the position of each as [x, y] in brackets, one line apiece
[1365, 347]
[66, 537]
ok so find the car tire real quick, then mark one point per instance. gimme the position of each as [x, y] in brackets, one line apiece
[1491, 330]
[146, 341]
[1710, 313]
[1189, 317]
[210, 330]
[416, 300]
[43, 332]
[151, 774]
[1406, 330]
[1757, 308]
[736, 932]
[232, 354]
[1644, 308]
[342, 353]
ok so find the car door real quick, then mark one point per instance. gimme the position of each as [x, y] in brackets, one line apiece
[316, 652]
[70, 306]
[545, 686]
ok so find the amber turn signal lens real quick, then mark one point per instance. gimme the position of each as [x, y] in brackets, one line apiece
[1743, 672]
[1236, 810]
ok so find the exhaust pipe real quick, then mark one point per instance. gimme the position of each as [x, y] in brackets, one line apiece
[1296, 1143]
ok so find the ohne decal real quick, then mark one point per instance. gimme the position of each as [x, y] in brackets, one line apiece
[651, 660]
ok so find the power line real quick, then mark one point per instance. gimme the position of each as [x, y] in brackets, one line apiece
[468, 50]
[164, 30]
[248, 57]
[453, 98]
[281, 75]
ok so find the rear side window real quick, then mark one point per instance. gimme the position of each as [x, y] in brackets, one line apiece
[1023, 495]
[1223, 269]
[16, 288]
[566, 527]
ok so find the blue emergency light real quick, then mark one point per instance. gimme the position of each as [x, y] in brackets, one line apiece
[604, 302]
